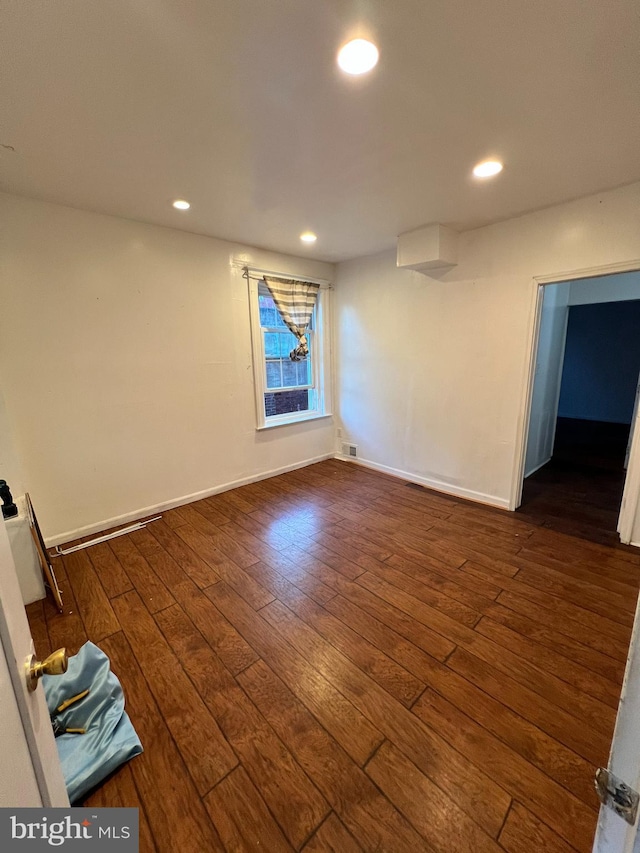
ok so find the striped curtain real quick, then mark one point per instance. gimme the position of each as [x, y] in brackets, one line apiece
[295, 300]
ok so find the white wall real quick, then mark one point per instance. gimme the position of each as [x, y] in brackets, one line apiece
[10, 464]
[126, 367]
[432, 369]
[609, 288]
[125, 362]
[548, 375]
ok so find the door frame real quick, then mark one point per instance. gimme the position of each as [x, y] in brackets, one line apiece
[631, 493]
[613, 835]
[630, 500]
[636, 407]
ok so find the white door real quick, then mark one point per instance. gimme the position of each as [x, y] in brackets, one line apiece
[31, 773]
[633, 420]
[614, 834]
[552, 335]
[627, 525]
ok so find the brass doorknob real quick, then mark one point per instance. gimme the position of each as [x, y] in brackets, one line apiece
[55, 664]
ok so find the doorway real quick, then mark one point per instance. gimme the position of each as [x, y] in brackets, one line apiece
[583, 393]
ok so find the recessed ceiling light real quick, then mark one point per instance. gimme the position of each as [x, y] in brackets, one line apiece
[308, 237]
[487, 169]
[358, 56]
[181, 204]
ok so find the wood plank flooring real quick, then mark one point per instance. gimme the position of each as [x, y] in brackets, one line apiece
[579, 491]
[335, 660]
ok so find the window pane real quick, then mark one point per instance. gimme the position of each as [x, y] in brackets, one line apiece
[284, 402]
[268, 311]
[289, 372]
[272, 344]
[269, 314]
[274, 376]
[287, 343]
[304, 372]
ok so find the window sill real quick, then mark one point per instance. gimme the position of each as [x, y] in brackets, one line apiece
[288, 420]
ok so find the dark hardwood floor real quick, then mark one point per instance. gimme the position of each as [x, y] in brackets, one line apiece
[334, 660]
[579, 492]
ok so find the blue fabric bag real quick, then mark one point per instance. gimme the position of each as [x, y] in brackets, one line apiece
[110, 738]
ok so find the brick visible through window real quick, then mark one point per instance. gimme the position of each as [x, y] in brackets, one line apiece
[285, 402]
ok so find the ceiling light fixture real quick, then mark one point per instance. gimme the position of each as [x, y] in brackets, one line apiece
[358, 56]
[181, 204]
[308, 237]
[487, 169]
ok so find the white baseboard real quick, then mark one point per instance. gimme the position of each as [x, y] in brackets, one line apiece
[134, 515]
[537, 468]
[436, 485]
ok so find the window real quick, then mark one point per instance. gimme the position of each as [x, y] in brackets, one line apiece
[286, 391]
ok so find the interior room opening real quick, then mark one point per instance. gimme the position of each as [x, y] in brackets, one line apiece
[583, 404]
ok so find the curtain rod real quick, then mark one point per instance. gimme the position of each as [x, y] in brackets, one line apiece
[247, 270]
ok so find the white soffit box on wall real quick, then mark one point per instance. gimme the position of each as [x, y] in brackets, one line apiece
[431, 247]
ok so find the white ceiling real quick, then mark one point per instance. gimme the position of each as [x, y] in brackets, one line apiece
[237, 105]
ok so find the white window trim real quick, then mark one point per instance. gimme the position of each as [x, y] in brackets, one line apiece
[320, 360]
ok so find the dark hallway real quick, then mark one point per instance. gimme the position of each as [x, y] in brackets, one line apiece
[580, 490]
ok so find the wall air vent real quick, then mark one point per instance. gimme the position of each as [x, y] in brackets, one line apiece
[350, 450]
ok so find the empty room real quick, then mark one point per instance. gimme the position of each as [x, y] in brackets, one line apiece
[303, 308]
